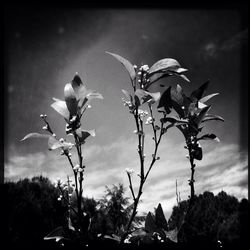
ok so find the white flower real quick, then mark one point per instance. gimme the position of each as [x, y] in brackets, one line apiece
[127, 241]
[45, 127]
[144, 67]
[129, 171]
[149, 120]
[76, 167]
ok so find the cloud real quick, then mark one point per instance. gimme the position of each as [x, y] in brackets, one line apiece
[222, 168]
[213, 49]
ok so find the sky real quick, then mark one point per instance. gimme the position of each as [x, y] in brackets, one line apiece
[45, 47]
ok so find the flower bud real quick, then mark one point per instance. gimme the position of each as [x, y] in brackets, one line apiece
[45, 127]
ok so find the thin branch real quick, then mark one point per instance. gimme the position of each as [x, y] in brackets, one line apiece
[131, 186]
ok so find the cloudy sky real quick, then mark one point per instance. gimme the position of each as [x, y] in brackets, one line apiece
[46, 46]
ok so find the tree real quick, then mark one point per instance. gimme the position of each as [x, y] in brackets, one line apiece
[32, 210]
[210, 219]
[117, 207]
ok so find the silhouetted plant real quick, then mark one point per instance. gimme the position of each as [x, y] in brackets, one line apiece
[141, 79]
[192, 112]
[77, 98]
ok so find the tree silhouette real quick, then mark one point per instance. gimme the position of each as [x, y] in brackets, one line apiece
[210, 219]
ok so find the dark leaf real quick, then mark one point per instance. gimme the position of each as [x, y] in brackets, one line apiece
[178, 100]
[209, 137]
[201, 115]
[145, 96]
[155, 77]
[173, 119]
[197, 94]
[197, 153]
[165, 101]
[129, 67]
[84, 134]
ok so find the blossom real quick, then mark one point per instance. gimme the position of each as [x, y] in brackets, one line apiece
[129, 171]
[149, 120]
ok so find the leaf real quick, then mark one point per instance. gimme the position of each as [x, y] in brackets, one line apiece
[206, 98]
[84, 134]
[128, 65]
[155, 77]
[34, 135]
[165, 101]
[145, 96]
[201, 105]
[70, 99]
[57, 234]
[173, 119]
[201, 115]
[163, 65]
[197, 154]
[198, 93]
[177, 95]
[184, 77]
[179, 100]
[164, 68]
[61, 108]
[209, 137]
[209, 117]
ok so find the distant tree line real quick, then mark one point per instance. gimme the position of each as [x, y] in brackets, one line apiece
[31, 210]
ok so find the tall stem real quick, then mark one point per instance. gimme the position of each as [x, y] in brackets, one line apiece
[143, 177]
[191, 182]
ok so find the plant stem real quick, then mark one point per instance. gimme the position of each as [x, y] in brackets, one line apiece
[143, 177]
[191, 182]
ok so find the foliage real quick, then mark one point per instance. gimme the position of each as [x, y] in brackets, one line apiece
[211, 218]
[31, 210]
[76, 101]
[191, 112]
[141, 80]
